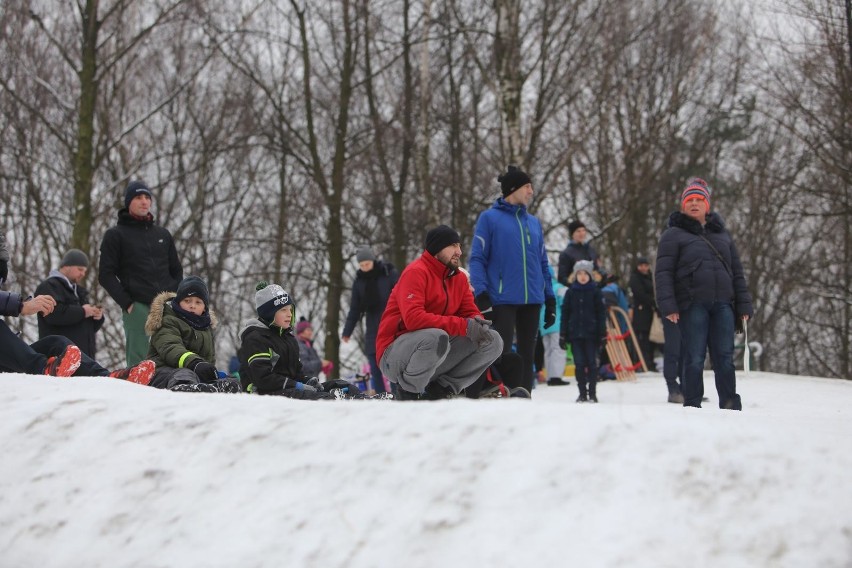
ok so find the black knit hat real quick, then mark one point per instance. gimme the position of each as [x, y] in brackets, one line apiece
[75, 257]
[134, 188]
[193, 286]
[439, 238]
[513, 180]
[573, 226]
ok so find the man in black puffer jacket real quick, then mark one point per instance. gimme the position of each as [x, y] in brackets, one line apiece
[138, 261]
[701, 287]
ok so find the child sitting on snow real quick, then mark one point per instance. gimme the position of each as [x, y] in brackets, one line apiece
[269, 353]
[584, 325]
[181, 329]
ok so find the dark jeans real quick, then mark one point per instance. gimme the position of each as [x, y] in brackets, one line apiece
[585, 360]
[671, 356]
[708, 325]
[519, 323]
[377, 379]
[18, 357]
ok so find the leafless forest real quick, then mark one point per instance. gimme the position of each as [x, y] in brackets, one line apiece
[279, 135]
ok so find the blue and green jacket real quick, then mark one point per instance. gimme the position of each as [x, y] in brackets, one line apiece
[508, 259]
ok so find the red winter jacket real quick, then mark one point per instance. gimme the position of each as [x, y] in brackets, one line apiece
[428, 295]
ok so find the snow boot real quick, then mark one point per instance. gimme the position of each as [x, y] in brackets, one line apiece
[593, 390]
[66, 364]
[519, 392]
[141, 374]
[584, 394]
[557, 382]
[675, 398]
[193, 387]
[437, 391]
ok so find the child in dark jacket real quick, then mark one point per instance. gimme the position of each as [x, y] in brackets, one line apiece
[181, 329]
[269, 353]
[584, 326]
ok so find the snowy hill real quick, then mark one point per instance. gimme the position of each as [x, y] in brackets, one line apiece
[102, 473]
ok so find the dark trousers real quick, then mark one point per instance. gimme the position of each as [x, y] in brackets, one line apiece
[18, 357]
[519, 323]
[376, 374]
[708, 325]
[671, 356]
[585, 353]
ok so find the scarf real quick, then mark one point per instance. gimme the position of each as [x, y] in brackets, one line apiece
[197, 322]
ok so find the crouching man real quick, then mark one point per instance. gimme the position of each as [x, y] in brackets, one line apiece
[432, 340]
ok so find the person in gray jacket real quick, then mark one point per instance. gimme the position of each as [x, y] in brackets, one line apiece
[701, 287]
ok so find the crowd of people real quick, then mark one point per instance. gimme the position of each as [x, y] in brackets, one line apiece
[433, 331]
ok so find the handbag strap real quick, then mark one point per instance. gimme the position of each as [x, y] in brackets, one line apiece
[725, 264]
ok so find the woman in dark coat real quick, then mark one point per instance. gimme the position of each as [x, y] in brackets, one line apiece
[642, 290]
[370, 293]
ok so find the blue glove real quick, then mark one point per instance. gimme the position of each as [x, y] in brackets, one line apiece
[304, 387]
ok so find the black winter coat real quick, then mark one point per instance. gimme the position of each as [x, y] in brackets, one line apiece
[688, 270]
[269, 358]
[573, 253]
[386, 277]
[68, 318]
[642, 289]
[583, 312]
[138, 261]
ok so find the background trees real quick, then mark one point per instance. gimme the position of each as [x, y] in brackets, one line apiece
[280, 136]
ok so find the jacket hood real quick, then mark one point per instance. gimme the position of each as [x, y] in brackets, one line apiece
[502, 204]
[715, 223]
[252, 323]
[158, 308]
[62, 278]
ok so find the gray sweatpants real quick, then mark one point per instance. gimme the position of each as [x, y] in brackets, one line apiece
[419, 357]
[554, 357]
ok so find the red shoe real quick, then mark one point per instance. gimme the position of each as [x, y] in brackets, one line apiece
[141, 374]
[66, 364]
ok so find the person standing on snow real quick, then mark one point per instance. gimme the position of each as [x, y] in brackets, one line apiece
[576, 250]
[701, 286]
[509, 270]
[138, 261]
[370, 292]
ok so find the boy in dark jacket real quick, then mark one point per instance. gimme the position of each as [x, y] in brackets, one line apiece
[269, 353]
[584, 326]
[181, 329]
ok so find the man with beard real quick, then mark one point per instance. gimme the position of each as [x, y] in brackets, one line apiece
[73, 317]
[433, 341]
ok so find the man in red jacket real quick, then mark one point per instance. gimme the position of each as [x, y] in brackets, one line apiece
[433, 341]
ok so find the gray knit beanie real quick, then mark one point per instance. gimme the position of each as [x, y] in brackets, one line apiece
[268, 299]
[75, 257]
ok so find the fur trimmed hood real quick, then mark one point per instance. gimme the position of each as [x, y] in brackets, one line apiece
[715, 223]
[158, 308]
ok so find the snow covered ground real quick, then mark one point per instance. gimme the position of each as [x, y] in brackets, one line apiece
[102, 473]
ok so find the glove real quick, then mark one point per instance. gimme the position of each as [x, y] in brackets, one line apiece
[549, 312]
[4, 271]
[478, 331]
[563, 342]
[205, 372]
[305, 387]
[483, 302]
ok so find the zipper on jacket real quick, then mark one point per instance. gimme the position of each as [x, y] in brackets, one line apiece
[523, 255]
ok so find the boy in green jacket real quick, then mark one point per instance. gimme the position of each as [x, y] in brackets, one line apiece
[182, 346]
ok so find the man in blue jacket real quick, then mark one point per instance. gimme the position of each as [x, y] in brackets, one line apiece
[701, 287]
[509, 270]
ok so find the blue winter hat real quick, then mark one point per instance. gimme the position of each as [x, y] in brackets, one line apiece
[134, 188]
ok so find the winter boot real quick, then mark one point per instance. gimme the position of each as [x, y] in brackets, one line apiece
[557, 382]
[593, 390]
[584, 395]
[675, 398]
[227, 385]
[193, 387]
[140, 374]
[437, 391]
[519, 392]
[402, 394]
[66, 364]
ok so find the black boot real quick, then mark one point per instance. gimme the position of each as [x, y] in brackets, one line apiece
[593, 390]
[584, 395]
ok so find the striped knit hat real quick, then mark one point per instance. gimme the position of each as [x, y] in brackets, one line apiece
[695, 187]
